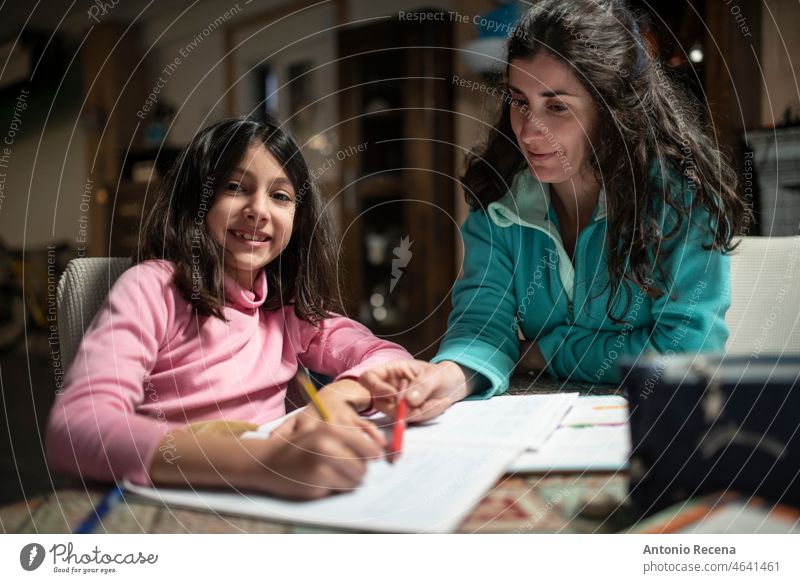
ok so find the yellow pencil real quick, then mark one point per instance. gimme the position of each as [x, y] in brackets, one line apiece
[313, 396]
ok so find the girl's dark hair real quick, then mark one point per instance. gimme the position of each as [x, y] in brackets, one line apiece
[175, 229]
[644, 117]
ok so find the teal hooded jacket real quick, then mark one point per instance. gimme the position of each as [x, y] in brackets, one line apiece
[518, 280]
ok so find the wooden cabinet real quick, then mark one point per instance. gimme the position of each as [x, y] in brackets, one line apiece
[114, 89]
[397, 259]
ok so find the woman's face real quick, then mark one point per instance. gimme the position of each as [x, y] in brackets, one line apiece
[552, 115]
[252, 215]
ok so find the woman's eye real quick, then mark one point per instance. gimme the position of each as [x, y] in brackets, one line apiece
[559, 108]
[518, 102]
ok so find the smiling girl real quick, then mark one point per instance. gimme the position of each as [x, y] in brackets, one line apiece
[601, 215]
[232, 291]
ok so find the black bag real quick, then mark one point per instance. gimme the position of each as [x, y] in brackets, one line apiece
[701, 424]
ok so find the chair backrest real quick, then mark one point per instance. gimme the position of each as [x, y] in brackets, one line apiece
[82, 289]
[764, 316]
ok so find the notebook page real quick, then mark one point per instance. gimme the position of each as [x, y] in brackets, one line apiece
[523, 421]
[431, 488]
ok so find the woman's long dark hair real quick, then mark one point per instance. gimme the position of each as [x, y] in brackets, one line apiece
[644, 117]
[175, 229]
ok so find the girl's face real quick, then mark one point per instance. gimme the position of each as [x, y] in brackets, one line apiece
[252, 215]
[552, 115]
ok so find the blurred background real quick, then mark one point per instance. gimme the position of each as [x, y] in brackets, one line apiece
[97, 98]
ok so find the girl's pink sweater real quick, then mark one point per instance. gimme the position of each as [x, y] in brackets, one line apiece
[149, 364]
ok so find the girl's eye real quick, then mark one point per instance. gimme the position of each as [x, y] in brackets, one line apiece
[234, 187]
[518, 102]
[559, 108]
[281, 196]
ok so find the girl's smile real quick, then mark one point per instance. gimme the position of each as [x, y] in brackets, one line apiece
[252, 215]
[254, 238]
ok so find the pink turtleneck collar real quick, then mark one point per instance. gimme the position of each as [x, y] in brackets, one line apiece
[245, 298]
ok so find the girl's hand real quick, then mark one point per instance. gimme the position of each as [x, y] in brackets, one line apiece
[305, 459]
[531, 358]
[302, 459]
[344, 400]
[429, 389]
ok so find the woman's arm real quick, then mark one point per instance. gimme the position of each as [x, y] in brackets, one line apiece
[481, 331]
[481, 346]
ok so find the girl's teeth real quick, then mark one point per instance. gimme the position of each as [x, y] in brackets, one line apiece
[250, 237]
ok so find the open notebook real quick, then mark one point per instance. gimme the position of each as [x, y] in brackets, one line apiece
[446, 467]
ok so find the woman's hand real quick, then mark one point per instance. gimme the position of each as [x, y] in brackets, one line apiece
[344, 400]
[531, 359]
[429, 389]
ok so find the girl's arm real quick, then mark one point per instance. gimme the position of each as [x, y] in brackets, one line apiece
[93, 429]
[340, 347]
[302, 459]
[689, 317]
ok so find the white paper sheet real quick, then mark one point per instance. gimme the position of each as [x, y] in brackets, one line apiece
[594, 436]
[523, 421]
[576, 450]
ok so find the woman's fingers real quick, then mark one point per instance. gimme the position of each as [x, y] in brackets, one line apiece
[429, 409]
[408, 369]
[386, 406]
[384, 382]
[421, 388]
[378, 381]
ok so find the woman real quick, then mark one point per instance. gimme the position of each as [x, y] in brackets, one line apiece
[601, 215]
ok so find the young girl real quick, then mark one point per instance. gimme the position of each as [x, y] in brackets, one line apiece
[232, 289]
[601, 216]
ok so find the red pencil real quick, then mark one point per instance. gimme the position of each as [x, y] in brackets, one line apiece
[399, 430]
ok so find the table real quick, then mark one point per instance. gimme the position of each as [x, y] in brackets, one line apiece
[551, 503]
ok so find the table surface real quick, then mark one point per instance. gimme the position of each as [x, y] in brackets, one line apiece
[541, 503]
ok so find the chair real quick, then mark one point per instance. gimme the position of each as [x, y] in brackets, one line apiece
[764, 317]
[82, 289]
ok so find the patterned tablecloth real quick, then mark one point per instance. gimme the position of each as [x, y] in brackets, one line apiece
[551, 503]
